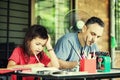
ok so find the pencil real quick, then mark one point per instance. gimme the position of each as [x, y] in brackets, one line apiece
[75, 50]
[37, 58]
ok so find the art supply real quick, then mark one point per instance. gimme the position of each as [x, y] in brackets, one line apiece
[85, 61]
[37, 58]
[88, 65]
[76, 68]
[75, 50]
[84, 54]
[94, 56]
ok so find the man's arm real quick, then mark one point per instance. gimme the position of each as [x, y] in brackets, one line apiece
[67, 64]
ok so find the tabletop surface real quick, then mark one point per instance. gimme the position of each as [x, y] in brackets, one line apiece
[64, 74]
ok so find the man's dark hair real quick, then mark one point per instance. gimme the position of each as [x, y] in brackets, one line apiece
[93, 20]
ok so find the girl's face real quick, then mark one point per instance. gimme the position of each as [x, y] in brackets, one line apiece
[37, 45]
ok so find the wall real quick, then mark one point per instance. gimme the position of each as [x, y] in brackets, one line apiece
[99, 8]
[14, 20]
[33, 21]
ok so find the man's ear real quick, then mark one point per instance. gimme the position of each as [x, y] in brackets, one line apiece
[84, 28]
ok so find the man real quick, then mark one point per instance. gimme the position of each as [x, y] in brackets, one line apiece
[70, 47]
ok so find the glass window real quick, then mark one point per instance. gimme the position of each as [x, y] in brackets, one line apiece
[50, 13]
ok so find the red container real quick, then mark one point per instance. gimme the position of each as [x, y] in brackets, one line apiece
[88, 65]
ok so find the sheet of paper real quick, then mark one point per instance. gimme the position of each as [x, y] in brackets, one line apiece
[35, 69]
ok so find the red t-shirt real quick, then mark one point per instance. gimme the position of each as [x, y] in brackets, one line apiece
[19, 57]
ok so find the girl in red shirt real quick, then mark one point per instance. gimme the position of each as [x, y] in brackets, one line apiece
[31, 53]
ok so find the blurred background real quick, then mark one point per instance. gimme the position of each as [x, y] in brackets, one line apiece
[59, 17]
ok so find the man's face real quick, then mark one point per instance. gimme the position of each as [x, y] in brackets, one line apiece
[92, 33]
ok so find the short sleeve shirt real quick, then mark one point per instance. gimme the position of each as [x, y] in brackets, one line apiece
[19, 57]
[68, 47]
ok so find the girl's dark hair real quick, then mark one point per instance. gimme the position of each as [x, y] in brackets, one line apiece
[93, 20]
[33, 32]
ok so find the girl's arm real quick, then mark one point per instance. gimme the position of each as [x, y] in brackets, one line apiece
[54, 60]
[12, 64]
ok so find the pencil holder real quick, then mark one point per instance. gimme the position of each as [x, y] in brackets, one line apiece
[88, 65]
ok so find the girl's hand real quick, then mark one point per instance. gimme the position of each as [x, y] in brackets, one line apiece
[36, 65]
[40, 65]
[48, 44]
[13, 65]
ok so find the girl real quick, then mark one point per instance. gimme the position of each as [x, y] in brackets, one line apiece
[31, 53]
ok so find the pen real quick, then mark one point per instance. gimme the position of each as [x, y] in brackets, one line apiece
[94, 56]
[37, 58]
[84, 54]
[75, 50]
